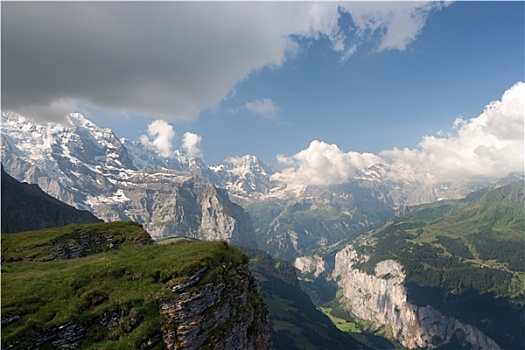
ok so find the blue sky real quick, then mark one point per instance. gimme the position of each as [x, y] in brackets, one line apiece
[467, 55]
[303, 87]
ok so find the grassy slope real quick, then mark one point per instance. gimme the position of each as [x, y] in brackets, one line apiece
[124, 275]
[493, 211]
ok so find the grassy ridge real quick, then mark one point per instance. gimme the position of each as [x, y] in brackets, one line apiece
[121, 274]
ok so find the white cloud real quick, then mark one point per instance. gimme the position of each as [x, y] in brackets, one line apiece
[159, 138]
[234, 160]
[324, 164]
[397, 23]
[486, 147]
[169, 59]
[190, 143]
[263, 107]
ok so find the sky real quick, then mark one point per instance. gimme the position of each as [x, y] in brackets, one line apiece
[314, 89]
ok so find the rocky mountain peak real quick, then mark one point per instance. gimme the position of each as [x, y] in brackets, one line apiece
[246, 178]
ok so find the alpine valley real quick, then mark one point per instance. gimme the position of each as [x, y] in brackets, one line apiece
[393, 264]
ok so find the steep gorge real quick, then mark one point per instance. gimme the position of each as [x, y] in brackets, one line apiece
[447, 274]
[381, 298]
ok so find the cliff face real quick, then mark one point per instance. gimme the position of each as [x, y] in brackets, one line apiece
[177, 204]
[314, 265]
[295, 321]
[217, 217]
[219, 315]
[382, 299]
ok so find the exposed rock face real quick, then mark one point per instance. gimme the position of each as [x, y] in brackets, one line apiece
[219, 315]
[26, 207]
[382, 299]
[310, 264]
[176, 204]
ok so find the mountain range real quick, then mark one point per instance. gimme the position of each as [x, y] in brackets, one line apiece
[90, 168]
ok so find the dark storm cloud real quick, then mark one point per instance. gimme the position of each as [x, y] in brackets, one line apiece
[163, 59]
[169, 59]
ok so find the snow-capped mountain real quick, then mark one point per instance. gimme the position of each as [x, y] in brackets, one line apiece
[143, 157]
[246, 178]
[88, 167]
[69, 160]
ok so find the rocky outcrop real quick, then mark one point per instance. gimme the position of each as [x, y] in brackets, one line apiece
[226, 313]
[26, 207]
[381, 298]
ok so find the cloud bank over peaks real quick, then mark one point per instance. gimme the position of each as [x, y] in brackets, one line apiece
[486, 147]
[170, 60]
[324, 164]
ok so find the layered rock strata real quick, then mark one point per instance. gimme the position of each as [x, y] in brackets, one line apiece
[225, 313]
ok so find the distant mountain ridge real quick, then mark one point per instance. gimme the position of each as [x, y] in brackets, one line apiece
[26, 207]
[246, 178]
[88, 167]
